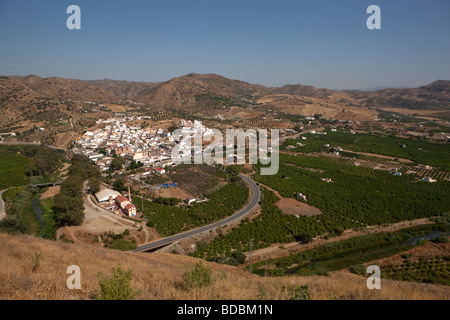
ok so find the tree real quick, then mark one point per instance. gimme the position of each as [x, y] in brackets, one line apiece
[119, 185]
[118, 287]
[198, 277]
[94, 182]
[239, 256]
[117, 163]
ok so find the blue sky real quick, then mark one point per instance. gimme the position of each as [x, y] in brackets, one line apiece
[324, 43]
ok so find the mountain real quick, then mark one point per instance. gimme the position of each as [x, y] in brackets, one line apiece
[199, 91]
[124, 89]
[306, 91]
[382, 88]
[31, 101]
[434, 96]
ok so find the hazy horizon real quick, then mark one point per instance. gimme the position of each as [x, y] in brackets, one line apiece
[380, 87]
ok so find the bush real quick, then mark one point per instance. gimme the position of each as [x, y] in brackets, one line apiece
[303, 238]
[359, 269]
[122, 244]
[12, 225]
[35, 261]
[239, 256]
[232, 262]
[299, 293]
[118, 287]
[198, 277]
[441, 239]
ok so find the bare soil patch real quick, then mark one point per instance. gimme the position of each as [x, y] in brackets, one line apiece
[173, 193]
[117, 108]
[296, 208]
[51, 192]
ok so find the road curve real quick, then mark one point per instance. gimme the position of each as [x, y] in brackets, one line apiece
[256, 193]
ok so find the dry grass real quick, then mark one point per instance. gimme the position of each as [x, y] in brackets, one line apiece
[159, 276]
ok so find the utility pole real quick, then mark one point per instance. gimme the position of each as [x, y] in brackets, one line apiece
[250, 256]
[265, 268]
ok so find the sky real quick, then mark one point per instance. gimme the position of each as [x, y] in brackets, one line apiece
[323, 43]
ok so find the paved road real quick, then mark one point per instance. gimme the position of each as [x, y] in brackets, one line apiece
[256, 193]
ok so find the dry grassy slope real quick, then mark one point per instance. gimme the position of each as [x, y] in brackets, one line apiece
[31, 100]
[181, 91]
[126, 89]
[159, 276]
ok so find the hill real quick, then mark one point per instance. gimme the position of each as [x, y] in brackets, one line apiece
[200, 91]
[159, 276]
[124, 89]
[30, 102]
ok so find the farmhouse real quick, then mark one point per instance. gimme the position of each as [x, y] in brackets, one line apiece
[122, 201]
[130, 210]
[159, 171]
[107, 195]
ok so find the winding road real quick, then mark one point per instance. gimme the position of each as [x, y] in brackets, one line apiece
[256, 193]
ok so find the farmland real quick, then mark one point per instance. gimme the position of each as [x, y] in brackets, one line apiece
[419, 151]
[344, 254]
[357, 197]
[169, 219]
[13, 168]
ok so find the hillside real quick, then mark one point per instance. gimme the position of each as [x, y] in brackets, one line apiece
[30, 102]
[434, 96]
[200, 91]
[124, 89]
[159, 276]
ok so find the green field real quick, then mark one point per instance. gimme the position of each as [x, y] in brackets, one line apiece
[433, 270]
[356, 198]
[13, 168]
[357, 194]
[169, 220]
[419, 151]
[344, 254]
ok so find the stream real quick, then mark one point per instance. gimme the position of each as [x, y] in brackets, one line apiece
[38, 211]
[430, 236]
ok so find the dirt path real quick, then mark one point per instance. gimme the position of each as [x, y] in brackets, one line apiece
[275, 251]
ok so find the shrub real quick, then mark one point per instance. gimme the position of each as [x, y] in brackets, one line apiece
[232, 262]
[239, 256]
[198, 277]
[359, 269]
[299, 293]
[122, 244]
[118, 287]
[12, 225]
[35, 261]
